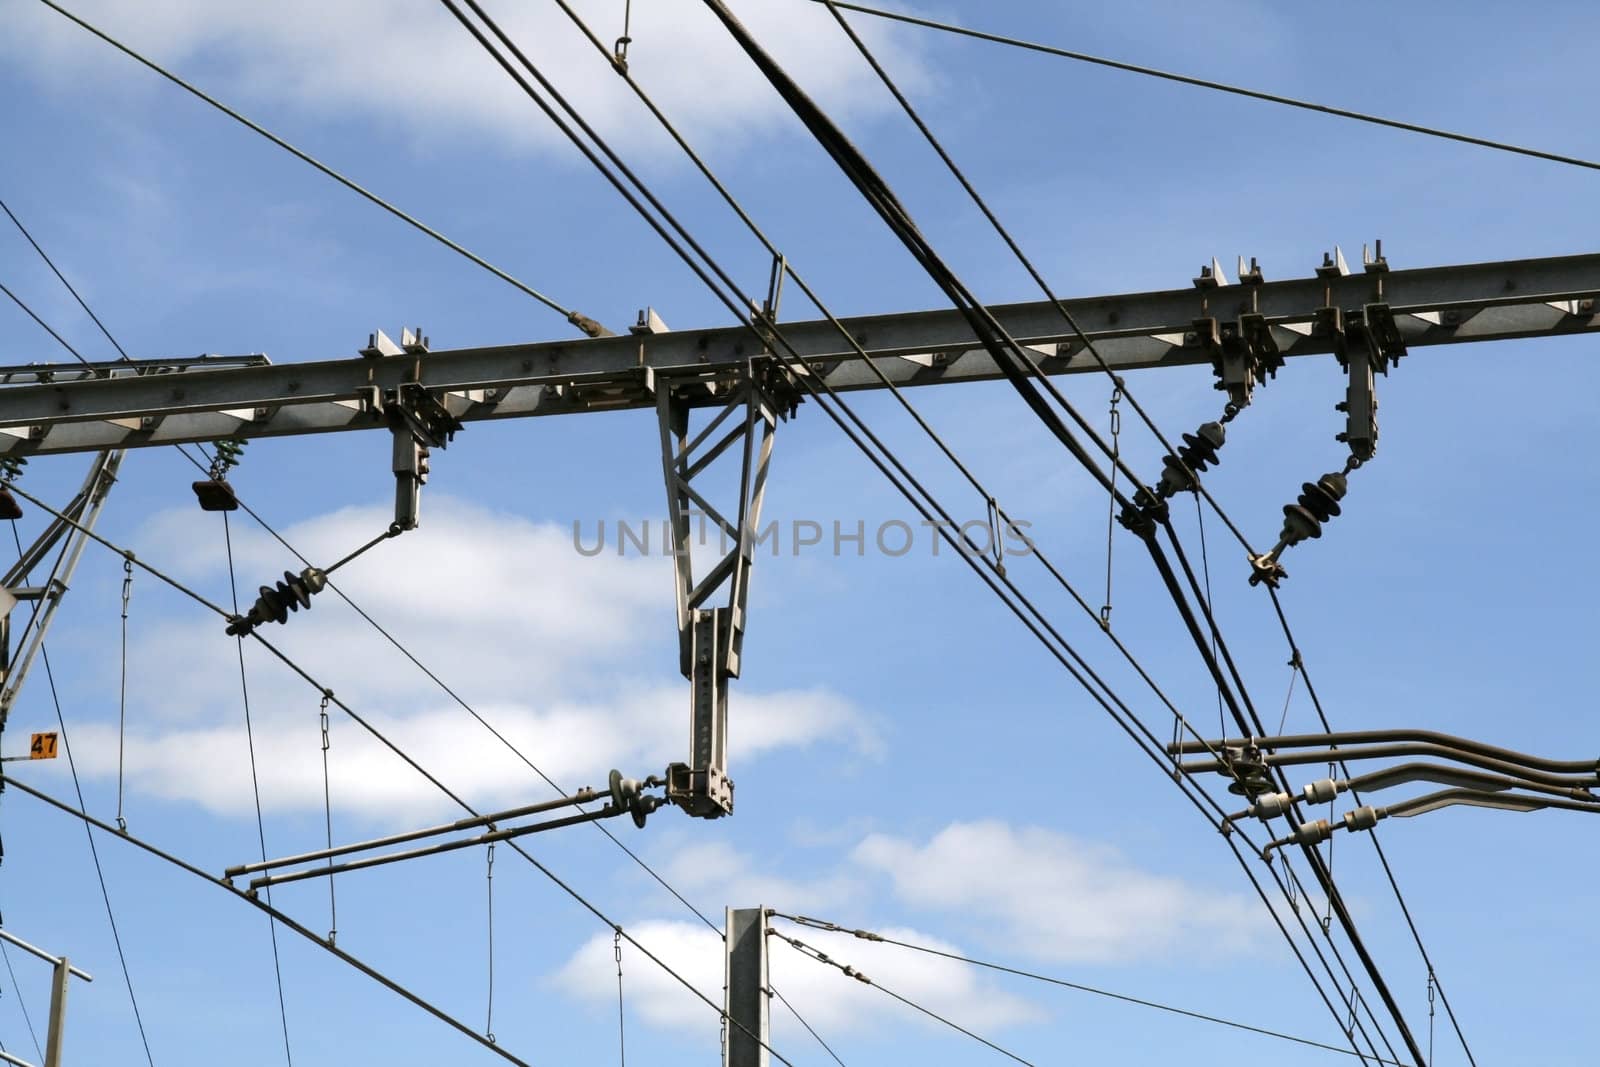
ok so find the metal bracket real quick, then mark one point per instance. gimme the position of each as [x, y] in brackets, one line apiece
[419, 421]
[711, 639]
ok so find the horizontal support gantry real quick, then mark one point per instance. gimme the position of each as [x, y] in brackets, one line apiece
[1430, 306]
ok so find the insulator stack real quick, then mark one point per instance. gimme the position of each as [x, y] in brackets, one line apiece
[277, 601]
[1318, 502]
[1198, 451]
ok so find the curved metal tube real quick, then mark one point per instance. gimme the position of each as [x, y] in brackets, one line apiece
[1362, 737]
[1290, 759]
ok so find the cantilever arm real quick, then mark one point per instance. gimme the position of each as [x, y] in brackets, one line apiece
[1364, 737]
[1390, 751]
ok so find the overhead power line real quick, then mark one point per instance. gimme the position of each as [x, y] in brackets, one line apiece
[1011, 358]
[850, 972]
[327, 946]
[1221, 87]
[589, 326]
[404, 756]
[740, 313]
[867, 935]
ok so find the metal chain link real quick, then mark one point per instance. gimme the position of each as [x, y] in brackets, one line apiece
[488, 1021]
[1111, 501]
[622, 1040]
[122, 695]
[327, 808]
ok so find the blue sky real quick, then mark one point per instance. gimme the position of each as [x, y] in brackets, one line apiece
[907, 759]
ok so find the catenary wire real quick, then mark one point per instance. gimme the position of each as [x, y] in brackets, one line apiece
[1377, 845]
[90, 821]
[850, 972]
[255, 788]
[867, 54]
[802, 1020]
[1221, 87]
[867, 935]
[1002, 347]
[505, 64]
[582, 322]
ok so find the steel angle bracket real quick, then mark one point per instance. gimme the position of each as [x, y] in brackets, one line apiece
[724, 526]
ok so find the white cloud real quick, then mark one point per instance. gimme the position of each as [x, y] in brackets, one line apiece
[571, 658]
[1056, 896]
[831, 1001]
[407, 63]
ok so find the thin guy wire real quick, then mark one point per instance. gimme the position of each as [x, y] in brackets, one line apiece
[255, 788]
[571, 315]
[1111, 500]
[866, 935]
[1222, 87]
[850, 972]
[1294, 674]
[1205, 565]
[94, 852]
[21, 1003]
[1027, 264]
[63, 278]
[488, 880]
[122, 688]
[1383, 859]
[468, 708]
[622, 1036]
[17, 300]
[802, 1020]
[327, 810]
[89, 821]
[505, 64]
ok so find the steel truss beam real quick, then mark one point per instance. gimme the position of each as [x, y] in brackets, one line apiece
[1429, 306]
[711, 638]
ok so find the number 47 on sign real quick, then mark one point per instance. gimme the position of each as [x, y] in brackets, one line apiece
[40, 746]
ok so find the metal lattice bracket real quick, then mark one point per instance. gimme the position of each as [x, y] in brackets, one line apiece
[711, 606]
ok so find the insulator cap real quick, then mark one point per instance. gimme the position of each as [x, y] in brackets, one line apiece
[9, 508]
